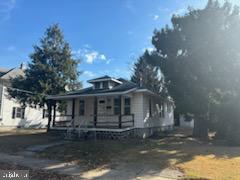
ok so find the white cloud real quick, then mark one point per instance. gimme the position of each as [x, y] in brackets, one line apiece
[6, 7]
[102, 57]
[89, 74]
[90, 56]
[155, 17]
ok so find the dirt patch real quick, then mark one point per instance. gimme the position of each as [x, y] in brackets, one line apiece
[18, 140]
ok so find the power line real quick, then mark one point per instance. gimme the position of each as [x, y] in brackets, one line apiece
[25, 91]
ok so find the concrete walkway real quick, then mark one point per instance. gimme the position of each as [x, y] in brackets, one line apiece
[30, 151]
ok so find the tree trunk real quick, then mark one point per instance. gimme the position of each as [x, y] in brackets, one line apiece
[49, 107]
[200, 129]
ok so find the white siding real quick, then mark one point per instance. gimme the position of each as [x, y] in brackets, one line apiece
[155, 120]
[184, 123]
[137, 109]
[33, 116]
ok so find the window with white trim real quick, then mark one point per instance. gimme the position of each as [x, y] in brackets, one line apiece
[18, 112]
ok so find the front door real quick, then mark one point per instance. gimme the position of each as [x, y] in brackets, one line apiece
[105, 106]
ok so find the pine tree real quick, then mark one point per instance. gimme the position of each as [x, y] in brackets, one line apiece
[51, 69]
[146, 75]
[199, 57]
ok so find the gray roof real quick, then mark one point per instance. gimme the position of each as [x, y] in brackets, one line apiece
[3, 71]
[125, 86]
[7, 74]
[102, 77]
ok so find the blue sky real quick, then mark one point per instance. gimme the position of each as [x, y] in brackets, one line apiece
[108, 35]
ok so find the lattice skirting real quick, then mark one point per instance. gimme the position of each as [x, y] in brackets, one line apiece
[131, 133]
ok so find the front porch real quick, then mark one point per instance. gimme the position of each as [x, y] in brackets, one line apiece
[98, 121]
[98, 112]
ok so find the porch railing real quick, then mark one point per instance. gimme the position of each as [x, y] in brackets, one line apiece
[95, 121]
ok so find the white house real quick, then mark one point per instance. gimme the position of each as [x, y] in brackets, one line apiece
[115, 106]
[12, 114]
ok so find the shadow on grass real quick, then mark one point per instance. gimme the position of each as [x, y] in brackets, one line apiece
[134, 157]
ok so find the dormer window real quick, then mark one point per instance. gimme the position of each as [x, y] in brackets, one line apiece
[97, 85]
[104, 82]
[105, 85]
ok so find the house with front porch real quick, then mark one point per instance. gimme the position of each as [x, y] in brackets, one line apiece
[113, 105]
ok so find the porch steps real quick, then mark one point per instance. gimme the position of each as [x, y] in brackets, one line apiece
[74, 134]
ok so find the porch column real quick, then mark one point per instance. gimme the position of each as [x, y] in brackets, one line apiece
[54, 114]
[73, 111]
[120, 113]
[95, 112]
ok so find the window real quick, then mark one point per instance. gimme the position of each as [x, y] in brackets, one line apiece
[105, 84]
[97, 85]
[117, 106]
[127, 106]
[102, 102]
[81, 107]
[150, 108]
[18, 112]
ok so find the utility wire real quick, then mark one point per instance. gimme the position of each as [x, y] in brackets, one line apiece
[25, 91]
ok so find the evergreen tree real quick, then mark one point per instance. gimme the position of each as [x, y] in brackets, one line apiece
[146, 75]
[51, 69]
[199, 57]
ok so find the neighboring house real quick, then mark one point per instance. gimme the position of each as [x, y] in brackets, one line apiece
[115, 106]
[12, 114]
[185, 121]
